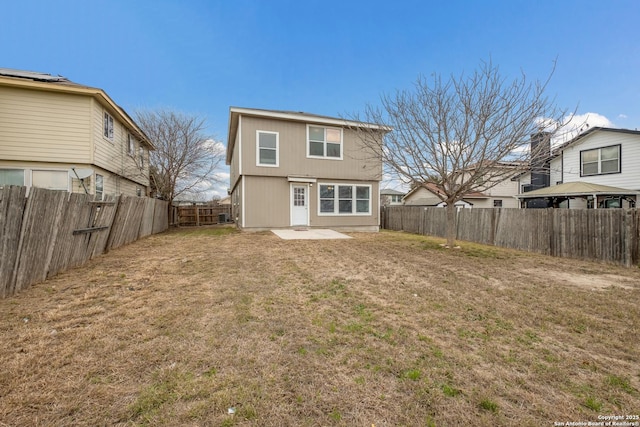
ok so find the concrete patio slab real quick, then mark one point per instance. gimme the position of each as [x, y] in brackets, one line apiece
[311, 234]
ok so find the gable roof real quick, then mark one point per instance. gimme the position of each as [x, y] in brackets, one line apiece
[47, 82]
[590, 131]
[578, 188]
[297, 116]
[391, 192]
[436, 190]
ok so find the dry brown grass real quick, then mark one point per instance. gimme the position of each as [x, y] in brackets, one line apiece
[384, 329]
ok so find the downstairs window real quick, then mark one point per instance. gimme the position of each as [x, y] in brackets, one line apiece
[344, 199]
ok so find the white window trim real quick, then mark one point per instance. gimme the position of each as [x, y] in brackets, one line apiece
[24, 173]
[37, 169]
[109, 118]
[266, 165]
[131, 145]
[141, 156]
[95, 187]
[599, 150]
[309, 156]
[336, 209]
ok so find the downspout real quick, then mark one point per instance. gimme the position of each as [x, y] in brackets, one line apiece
[240, 176]
[595, 201]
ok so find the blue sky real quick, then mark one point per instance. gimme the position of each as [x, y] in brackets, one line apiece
[325, 57]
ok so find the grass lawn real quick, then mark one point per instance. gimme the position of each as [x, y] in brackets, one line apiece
[385, 329]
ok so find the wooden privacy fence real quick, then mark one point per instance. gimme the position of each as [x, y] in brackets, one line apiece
[50, 231]
[201, 215]
[610, 235]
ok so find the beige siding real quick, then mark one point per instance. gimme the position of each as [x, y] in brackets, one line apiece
[113, 184]
[235, 161]
[266, 202]
[111, 155]
[236, 204]
[369, 222]
[44, 126]
[268, 205]
[356, 164]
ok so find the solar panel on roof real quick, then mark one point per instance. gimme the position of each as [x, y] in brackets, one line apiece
[33, 75]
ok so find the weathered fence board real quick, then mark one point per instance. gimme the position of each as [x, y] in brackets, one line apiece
[12, 203]
[146, 226]
[126, 226]
[434, 222]
[609, 235]
[37, 238]
[76, 214]
[160, 216]
[50, 231]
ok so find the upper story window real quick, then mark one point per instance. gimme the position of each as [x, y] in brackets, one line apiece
[600, 161]
[324, 142]
[131, 145]
[396, 198]
[141, 156]
[108, 126]
[267, 148]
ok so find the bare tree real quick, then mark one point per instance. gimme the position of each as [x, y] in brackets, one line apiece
[464, 134]
[185, 159]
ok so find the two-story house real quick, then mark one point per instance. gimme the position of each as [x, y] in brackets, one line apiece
[54, 131]
[599, 168]
[391, 197]
[292, 169]
[495, 189]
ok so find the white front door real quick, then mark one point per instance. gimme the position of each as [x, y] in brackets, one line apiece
[299, 205]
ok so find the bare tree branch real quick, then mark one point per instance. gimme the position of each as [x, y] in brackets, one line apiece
[184, 159]
[464, 134]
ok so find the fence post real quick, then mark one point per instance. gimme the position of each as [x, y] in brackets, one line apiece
[629, 234]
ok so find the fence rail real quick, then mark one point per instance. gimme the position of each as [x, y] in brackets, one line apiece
[50, 231]
[609, 235]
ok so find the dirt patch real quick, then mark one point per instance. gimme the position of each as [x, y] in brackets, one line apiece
[382, 329]
[594, 281]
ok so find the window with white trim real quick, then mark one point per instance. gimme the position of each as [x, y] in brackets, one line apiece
[344, 199]
[11, 177]
[141, 156]
[267, 148]
[50, 179]
[108, 126]
[324, 142]
[600, 161]
[131, 145]
[99, 187]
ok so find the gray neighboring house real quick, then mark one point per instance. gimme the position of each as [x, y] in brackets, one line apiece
[391, 197]
[294, 169]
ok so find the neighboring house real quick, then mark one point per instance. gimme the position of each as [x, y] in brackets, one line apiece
[53, 131]
[391, 197]
[499, 195]
[601, 164]
[427, 195]
[292, 169]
